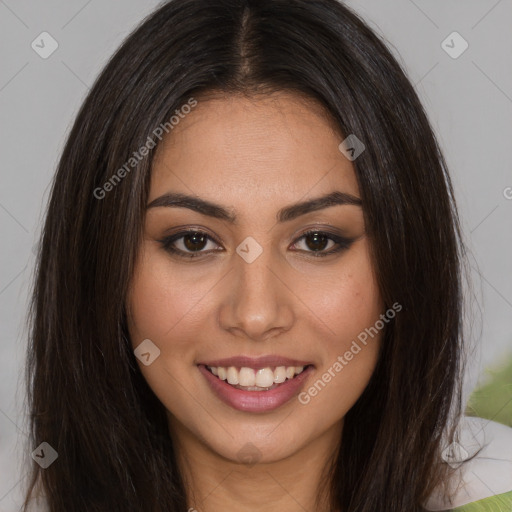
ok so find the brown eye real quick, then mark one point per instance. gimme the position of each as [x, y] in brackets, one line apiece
[188, 244]
[317, 241]
[195, 241]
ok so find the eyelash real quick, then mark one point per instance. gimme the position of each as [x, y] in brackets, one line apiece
[167, 243]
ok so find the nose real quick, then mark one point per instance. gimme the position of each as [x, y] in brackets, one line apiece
[258, 302]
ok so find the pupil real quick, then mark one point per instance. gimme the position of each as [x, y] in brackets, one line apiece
[316, 237]
[197, 238]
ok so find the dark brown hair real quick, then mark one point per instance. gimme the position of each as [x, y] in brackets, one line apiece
[87, 397]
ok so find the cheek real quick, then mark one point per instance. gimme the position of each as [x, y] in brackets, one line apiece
[348, 299]
[351, 310]
[164, 306]
[350, 354]
[163, 303]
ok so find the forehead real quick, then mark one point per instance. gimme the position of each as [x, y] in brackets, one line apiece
[282, 147]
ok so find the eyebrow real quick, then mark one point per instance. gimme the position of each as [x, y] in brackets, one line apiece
[178, 200]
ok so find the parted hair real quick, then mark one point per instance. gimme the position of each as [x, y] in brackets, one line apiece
[86, 395]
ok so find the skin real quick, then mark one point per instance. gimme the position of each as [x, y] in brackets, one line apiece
[254, 157]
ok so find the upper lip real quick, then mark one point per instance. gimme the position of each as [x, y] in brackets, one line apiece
[256, 362]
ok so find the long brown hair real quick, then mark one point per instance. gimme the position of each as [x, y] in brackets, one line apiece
[86, 396]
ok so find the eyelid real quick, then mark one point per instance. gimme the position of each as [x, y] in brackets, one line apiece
[341, 242]
[167, 242]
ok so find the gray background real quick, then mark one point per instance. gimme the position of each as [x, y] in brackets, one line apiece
[468, 99]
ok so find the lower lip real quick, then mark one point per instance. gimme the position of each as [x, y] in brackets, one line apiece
[256, 401]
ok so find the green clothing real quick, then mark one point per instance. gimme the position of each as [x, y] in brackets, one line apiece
[498, 503]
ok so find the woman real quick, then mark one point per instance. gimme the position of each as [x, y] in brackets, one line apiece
[249, 285]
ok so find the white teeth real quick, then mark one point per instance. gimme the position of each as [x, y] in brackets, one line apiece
[246, 377]
[279, 374]
[255, 379]
[264, 378]
[232, 375]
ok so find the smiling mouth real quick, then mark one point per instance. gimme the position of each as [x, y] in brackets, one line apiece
[261, 379]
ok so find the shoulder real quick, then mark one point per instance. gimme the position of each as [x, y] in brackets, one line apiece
[483, 462]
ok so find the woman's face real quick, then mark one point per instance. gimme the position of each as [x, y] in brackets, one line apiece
[257, 301]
